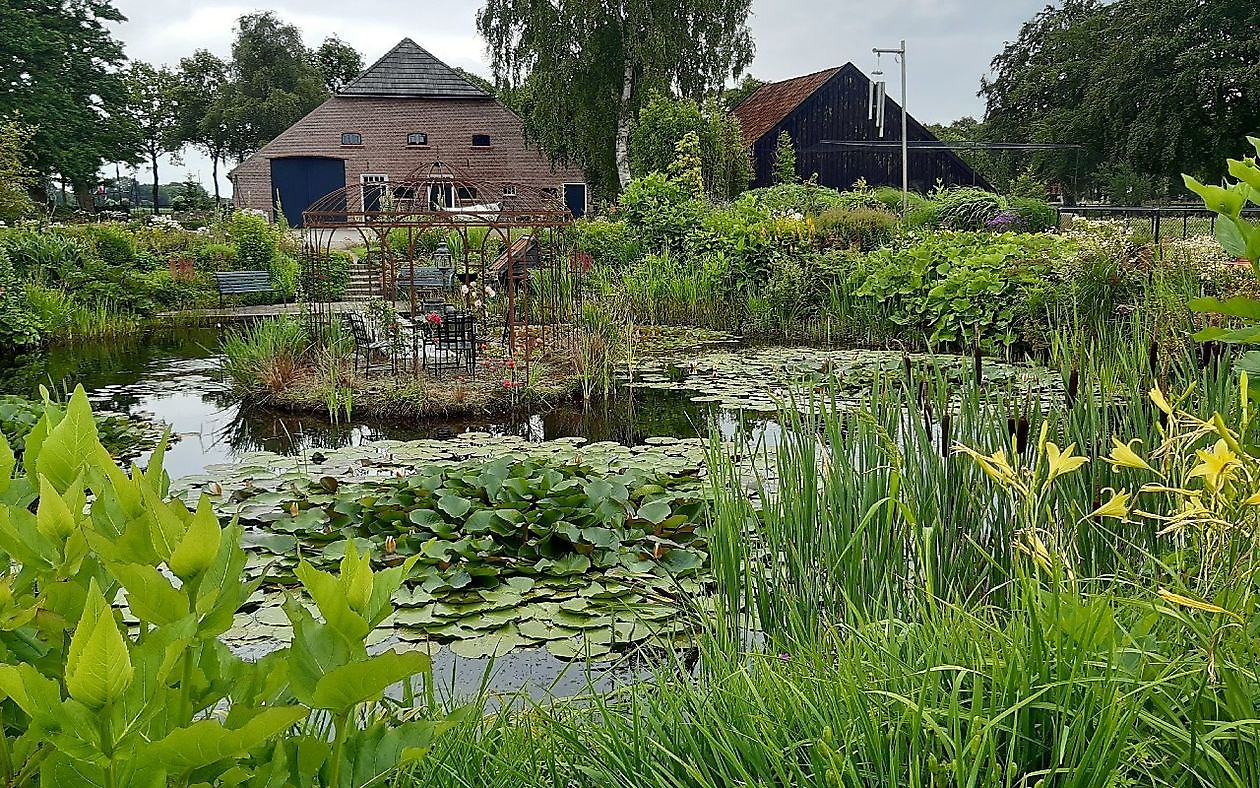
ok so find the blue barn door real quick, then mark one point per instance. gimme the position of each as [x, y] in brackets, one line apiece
[575, 199]
[298, 181]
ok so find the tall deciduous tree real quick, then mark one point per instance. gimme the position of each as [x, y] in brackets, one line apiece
[274, 81]
[59, 75]
[200, 102]
[152, 94]
[338, 63]
[1154, 87]
[16, 176]
[588, 67]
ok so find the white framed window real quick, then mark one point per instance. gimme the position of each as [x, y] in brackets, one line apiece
[509, 190]
[417, 138]
[374, 187]
[351, 138]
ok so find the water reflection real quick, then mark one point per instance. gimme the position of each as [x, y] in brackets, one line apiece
[174, 377]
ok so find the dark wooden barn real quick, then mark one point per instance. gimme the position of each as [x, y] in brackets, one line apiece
[835, 105]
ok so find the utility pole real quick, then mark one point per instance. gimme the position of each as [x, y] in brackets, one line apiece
[900, 54]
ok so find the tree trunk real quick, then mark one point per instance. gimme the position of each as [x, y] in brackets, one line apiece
[624, 122]
[154, 157]
[83, 194]
[214, 173]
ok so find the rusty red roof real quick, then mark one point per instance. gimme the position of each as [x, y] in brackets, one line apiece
[773, 102]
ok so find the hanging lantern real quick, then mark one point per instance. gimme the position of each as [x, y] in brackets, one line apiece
[442, 256]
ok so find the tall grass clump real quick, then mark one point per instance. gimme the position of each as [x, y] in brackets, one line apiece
[266, 356]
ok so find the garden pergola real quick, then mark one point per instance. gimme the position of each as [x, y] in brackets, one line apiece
[496, 248]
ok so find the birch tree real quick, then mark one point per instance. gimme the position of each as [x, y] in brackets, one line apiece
[582, 69]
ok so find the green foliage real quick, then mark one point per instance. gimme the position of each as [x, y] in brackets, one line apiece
[327, 279]
[660, 208]
[808, 199]
[61, 71]
[1240, 237]
[784, 167]
[582, 72]
[263, 246]
[338, 63]
[121, 436]
[266, 356]
[16, 178]
[1036, 215]
[274, 82]
[687, 168]
[89, 700]
[611, 244]
[864, 229]
[218, 257]
[1063, 81]
[1027, 186]
[954, 287]
[967, 208]
[153, 113]
[18, 326]
[114, 245]
[664, 122]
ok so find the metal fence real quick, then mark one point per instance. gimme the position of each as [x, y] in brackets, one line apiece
[1163, 223]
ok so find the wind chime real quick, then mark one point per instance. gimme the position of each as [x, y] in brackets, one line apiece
[878, 90]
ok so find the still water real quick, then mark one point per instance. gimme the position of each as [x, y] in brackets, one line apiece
[174, 377]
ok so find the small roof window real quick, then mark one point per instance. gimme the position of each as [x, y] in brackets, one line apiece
[481, 141]
[351, 138]
[417, 138]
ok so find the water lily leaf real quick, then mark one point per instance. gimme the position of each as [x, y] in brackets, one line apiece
[577, 648]
[490, 644]
[574, 564]
[454, 505]
[655, 511]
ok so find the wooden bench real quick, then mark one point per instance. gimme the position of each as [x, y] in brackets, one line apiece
[241, 283]
[422, 278]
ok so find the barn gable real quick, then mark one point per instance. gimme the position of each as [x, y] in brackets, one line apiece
[834, 105]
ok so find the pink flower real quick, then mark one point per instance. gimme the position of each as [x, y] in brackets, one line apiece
[507, 384]
[434, 318]
[511, 363]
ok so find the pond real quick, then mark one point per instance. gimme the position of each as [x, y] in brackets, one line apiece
[173, 377]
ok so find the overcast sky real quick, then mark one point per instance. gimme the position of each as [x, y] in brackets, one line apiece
[950, 41]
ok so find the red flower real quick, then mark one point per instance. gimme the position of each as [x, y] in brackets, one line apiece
[511, 363]
[434, 318]
[507, 384]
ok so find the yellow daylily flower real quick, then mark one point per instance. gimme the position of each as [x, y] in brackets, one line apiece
[1215, 466]
[994, 465]
[1160, 401]
[1117, 507]
[1062, 462]
[1254, 499]
[1123, 456]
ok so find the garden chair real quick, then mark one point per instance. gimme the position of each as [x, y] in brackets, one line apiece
[365, 345]
[452, 345]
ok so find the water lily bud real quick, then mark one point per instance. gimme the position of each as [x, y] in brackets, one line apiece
[391, 545]
[293, 509]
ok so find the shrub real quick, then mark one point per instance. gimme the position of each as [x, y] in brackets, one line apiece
[610, 243]
[807, 199]
[19, 327]
[856, 228]
[41, 254]
[327, 278]
[217, 257]
[890, 198]
[968, 208]
[924, 215]
[1036, 216]
[949, 286]
[114, 245]
[661, 209]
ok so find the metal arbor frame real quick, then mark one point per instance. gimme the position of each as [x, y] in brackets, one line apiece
[510, 236]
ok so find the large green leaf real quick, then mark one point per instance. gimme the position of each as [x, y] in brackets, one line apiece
[35, 694]
[72, 444]
[197, 549]
[359, 682]
[209, 741]
[1238, 306]
[98, 664]
[149, 594]
[7, 463]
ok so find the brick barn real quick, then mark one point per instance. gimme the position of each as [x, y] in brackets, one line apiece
[834, 105]
[407, 110]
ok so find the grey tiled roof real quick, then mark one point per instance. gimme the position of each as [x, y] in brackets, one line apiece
[409, 70]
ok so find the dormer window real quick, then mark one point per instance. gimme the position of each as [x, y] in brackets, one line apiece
[481, 141]
[417, 138]
[509, 190]
[351, 138]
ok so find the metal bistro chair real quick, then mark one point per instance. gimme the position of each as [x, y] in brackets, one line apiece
[365, 346]
[452, 345]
